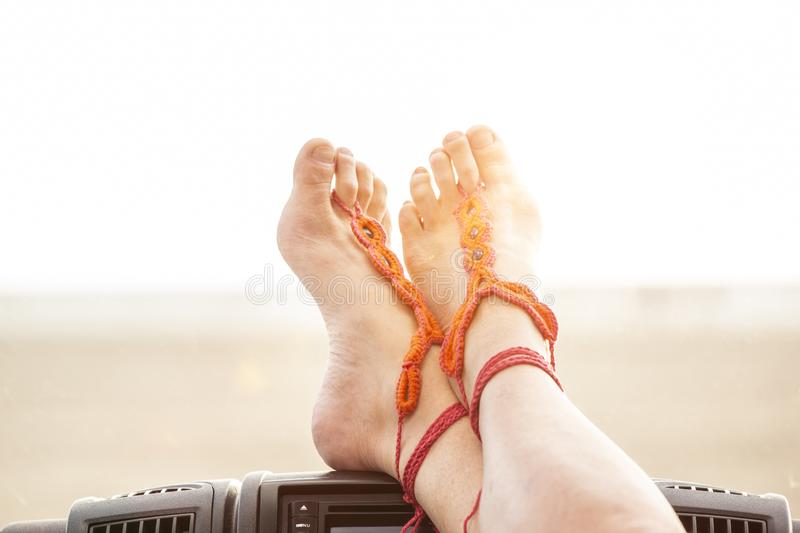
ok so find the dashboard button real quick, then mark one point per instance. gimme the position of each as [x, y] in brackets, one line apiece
[304, 525]
[304, 508]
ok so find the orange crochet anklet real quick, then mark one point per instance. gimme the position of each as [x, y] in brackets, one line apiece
[476, 232]
[372, 237]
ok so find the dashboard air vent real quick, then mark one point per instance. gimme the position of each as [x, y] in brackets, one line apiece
[178, 523]
[706, 488]
[159, 490]
[720, 524]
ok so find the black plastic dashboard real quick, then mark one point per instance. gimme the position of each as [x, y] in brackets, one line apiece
[352, 502]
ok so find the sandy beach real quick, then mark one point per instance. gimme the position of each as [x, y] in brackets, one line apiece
[107, 393]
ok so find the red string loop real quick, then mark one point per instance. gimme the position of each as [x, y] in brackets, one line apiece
[518, 355]
[449, 416]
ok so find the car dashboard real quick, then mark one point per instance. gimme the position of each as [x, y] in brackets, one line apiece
[352, 502]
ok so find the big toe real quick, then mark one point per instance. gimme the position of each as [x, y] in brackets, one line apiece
[490, 155]
[308, 209]
[314, 166]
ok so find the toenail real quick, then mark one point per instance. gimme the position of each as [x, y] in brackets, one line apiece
[481, 138]
[345, 151]
[420, 170]
[437, 153]
[323, 153]
[453, 136]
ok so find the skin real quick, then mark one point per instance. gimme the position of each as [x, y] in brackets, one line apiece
[354, 422]
[542, 465]
[546, 467]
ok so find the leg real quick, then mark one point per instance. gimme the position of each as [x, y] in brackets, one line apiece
[545, 466]
[576, 478]
[354, 420]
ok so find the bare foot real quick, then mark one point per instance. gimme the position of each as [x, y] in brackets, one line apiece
[538, 450]
[354, 421]
[431, 234]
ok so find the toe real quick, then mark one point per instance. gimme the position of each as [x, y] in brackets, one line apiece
[346, 181]
[456, 145]
[365, 186]
[489, 152]
[314, 166]
[408, 220]
[377, 206]
[386, 222]
[445, 179]
[423, 196]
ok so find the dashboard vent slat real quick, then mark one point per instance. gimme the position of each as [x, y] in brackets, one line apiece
[707, 488]
[159, 490]
[176, 523]
[695, 523]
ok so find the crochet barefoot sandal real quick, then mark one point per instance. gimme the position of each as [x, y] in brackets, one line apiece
[474, 220]
[476, 229]
[372, 237]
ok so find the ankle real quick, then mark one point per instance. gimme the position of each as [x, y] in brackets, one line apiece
[437, 417]
[450, 479]
[435, 396]
[498, 325]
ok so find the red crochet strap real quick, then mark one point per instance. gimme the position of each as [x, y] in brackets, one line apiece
[473, 512]
[519, 355]
[449, 416]
[476, 231]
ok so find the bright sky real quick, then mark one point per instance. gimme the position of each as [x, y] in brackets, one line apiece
[149, 145]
